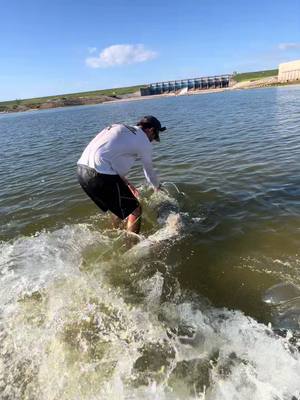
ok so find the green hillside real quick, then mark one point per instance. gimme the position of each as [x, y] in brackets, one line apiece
[98, 96]
[35, 102]
[251, 76]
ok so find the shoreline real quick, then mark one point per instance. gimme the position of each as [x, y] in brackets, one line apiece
[191, 93]
[258, 84]
[244, 85]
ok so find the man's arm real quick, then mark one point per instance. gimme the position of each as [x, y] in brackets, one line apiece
[149, 172]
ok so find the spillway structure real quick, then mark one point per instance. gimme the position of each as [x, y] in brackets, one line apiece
[185, 85]
[289, 72]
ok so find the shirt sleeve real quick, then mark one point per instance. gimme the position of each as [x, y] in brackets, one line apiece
[150, 174]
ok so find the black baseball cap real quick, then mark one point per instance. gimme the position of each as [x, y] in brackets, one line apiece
[152, 122]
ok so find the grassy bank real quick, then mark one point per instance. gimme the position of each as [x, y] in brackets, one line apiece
[252, 76]
[35, 103]
[99, 96]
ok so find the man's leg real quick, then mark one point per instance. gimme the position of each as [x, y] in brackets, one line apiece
[134, 220]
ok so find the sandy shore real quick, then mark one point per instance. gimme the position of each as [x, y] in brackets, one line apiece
[253, 84]
[191, 92]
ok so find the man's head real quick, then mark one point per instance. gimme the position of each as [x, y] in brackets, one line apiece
[151, 126]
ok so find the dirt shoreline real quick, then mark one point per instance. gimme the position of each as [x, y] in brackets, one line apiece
[254, 84]
[257, 84]
[192, 92]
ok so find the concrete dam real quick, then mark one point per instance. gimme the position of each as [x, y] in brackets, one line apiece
[185, 85]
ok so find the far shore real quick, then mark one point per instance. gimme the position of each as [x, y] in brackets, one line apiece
[191, 92]
[252, 84]
[244, 86]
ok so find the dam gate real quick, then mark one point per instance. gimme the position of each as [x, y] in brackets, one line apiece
[209, 82]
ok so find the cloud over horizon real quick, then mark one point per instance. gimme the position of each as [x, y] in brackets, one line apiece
[289, 46]
[121, 54]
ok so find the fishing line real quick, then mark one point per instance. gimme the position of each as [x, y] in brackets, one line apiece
[173, 184]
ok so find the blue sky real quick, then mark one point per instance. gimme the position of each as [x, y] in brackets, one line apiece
[64, 46]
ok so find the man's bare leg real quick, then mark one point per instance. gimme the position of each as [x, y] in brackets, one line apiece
[134, 221]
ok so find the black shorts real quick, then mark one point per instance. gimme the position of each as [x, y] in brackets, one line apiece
[109, 192]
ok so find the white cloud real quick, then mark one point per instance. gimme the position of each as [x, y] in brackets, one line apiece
[121, 54]
[92, 50]
[289, 46]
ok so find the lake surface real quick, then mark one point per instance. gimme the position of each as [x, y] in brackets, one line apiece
[205, 306]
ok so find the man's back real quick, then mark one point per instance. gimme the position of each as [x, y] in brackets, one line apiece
[114, 150]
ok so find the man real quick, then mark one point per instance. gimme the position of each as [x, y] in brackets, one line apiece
[104, 164]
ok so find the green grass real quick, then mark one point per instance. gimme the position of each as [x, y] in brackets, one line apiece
[250, 76]
[33, 103]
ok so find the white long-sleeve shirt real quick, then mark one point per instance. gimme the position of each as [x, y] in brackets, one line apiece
[115, 149]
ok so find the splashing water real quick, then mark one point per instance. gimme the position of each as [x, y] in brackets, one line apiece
[82, 321]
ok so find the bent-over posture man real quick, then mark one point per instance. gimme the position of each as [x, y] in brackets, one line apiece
[105, 162]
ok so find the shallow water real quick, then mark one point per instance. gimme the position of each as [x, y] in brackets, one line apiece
[205, 305]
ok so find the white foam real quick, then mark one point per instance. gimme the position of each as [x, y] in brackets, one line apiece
[80, 337]
[170, 230]
[29, 263]
[259, 364]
